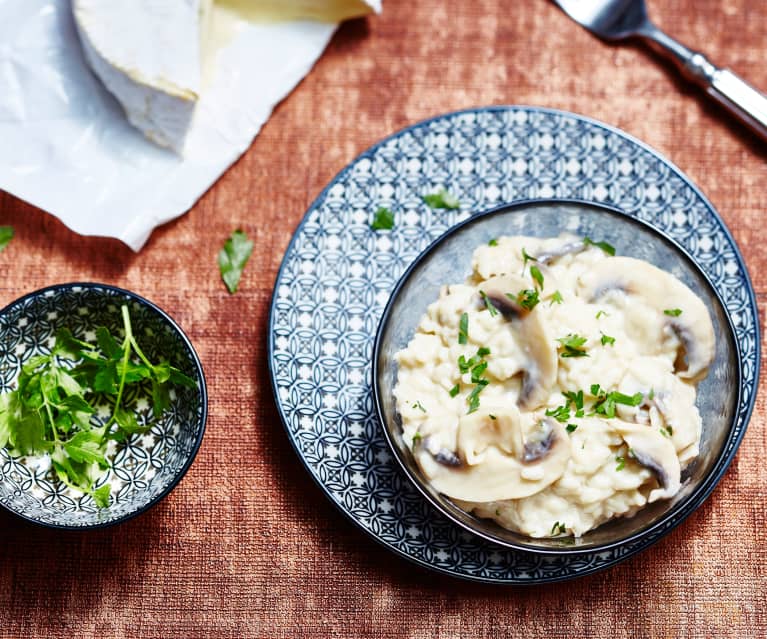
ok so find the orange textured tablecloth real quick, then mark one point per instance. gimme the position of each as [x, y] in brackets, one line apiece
[247, 545]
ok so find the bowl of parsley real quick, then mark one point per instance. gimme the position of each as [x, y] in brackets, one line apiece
[103, 405]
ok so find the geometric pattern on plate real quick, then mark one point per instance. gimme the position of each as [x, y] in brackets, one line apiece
[337, 275]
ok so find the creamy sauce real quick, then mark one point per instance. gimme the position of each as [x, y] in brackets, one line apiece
[488, 421]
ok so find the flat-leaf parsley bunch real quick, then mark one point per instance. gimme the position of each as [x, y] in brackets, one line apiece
[54, 407]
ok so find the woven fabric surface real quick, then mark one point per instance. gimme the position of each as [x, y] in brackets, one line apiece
[247, 545]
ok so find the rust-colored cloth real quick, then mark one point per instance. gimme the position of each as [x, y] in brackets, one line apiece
[246, 545]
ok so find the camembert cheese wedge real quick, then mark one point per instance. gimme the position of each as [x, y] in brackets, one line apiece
[150, 53]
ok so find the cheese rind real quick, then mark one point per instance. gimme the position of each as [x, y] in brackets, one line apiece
[148, 55]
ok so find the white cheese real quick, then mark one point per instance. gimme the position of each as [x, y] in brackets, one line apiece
[148, 55]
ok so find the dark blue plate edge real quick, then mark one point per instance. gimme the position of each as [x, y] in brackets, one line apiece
[694, 500]
[499, 109]
[68, 286]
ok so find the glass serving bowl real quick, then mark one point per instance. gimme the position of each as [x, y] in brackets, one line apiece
[448, 261]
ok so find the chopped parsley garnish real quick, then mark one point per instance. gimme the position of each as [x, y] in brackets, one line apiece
[573, 345]
[497, 512]
[673, 312]
[233, 258]
[606, 402]
[417, 438]
[607, 248]
[463, 329]
[651, 396]
[556, 298]
[455, 390]
[419, 406]
[383, 220]
[536, 274]
[664, 432]
[488, 304]
[621, 462]
[478, 371]
[442, 199]
[558, 529]
[607, 340]
[491, 416]
[576, 399]
[527, 298]
[493, 242]
[473, 398]
[669, 429]
[477, 366]
[570, 428]
[602, 314]
[464, 365]
[6, 235]
[527, 258]
[560, 413]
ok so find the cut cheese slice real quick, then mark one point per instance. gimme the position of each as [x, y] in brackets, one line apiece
[322, 10]
[148, 55]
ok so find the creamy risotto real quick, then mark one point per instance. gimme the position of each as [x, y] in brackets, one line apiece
[555, 388]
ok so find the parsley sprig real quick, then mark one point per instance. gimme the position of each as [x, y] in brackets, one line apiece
[476, 365]
[54, 406]
[572, 345]
[605, 402]
[442, 199]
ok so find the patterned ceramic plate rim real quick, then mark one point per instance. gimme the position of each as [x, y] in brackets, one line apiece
[202, 389]
[744, 413]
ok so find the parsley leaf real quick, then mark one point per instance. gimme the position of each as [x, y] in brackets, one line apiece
[493, 242]
[383, 220]
[606, 339]
[233, 258]
[621, 462]
[442, 199]
[419, 406]
[560, 413]
[570, 428]
[572, 345]
[602, 314]
[673, 312]
[488, 304]
[101, 495]
[537, 275]
[455, 390]
[526, 257]
[556, 298]
[558, 529]
[527, 298]
[6, 235]
[607, 248]
[52, 408]
[463, 329]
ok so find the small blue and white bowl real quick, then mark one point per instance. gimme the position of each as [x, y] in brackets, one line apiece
[144, 468]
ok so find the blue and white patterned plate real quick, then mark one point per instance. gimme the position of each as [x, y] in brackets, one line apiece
[337, 276]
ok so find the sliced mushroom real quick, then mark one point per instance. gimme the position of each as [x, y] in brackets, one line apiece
[540, 367]
[567, 248]
[656, 453]
[498, 463]
[669, 403]
[662, 291]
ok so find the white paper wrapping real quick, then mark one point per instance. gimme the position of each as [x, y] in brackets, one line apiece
[67, 148]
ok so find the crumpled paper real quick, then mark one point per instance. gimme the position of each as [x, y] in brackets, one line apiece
[67, 148]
